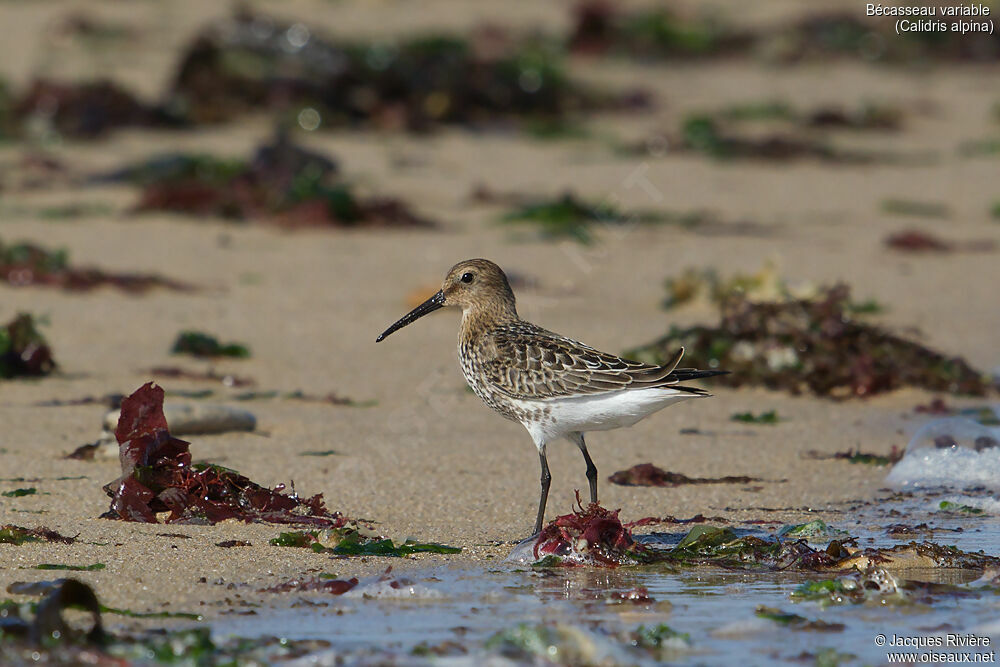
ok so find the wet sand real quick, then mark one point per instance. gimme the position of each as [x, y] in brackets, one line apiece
[428, 460]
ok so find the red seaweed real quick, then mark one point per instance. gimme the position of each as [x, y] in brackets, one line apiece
[591, 535]
[158, 477]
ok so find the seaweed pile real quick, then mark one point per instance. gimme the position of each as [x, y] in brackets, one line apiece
[30, 264]
[283, 184]
[252, 62]
[23, 350]
[595, 536]
[158, 477]
[656, 34]
[652, 34]
[85, 110]
[815, 345]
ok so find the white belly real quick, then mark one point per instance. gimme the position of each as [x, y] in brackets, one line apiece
[598, 412]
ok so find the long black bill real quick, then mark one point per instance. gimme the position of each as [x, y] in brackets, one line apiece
[429, 306]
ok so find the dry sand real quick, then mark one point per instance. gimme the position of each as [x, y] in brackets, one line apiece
[429, 460]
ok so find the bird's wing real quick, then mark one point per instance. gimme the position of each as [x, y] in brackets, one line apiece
[528, 362]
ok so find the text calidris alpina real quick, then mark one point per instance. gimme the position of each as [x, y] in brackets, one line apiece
[555, 386]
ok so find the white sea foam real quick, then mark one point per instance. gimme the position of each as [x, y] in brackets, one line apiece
[954, 452]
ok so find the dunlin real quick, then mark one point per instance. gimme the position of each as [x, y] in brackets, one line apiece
[555, 386]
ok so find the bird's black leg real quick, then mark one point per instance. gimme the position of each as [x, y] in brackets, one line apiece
[591, 470]
[546, 480]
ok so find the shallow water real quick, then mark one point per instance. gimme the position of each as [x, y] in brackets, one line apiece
[455, 611]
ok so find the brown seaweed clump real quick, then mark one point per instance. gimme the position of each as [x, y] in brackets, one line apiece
[85, 110]
[23, 350]
[283, 184]
[158, 477]
[24, 264]
[813, 345]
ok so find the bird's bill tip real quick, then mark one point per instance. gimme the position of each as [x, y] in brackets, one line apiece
[428, 306]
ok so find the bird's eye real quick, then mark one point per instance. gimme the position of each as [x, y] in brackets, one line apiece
[467, 277]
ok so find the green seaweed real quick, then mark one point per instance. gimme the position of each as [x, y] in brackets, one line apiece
[19, 493]
[348, 541]
[295, 538]
[656, 635]
[75, 568]
[11, 534]
[701, 133]
[17, 535]
[200, 344]
[815, 528]
[524, 638]
[869, 459]
[769, 417]
[958, 508]
[818, 590]
[361, 547]
[572, 218]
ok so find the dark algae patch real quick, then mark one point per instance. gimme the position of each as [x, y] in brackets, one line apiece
[795, 621]
[283, 184]
[647, 474]
[19, 493]
[11, 534]
[30, 264]
[252, 62]
[813, 345]
[657, 34]
[159, 478]
[857, 456]
[24, 352]
[200, 344]
[84, 110]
